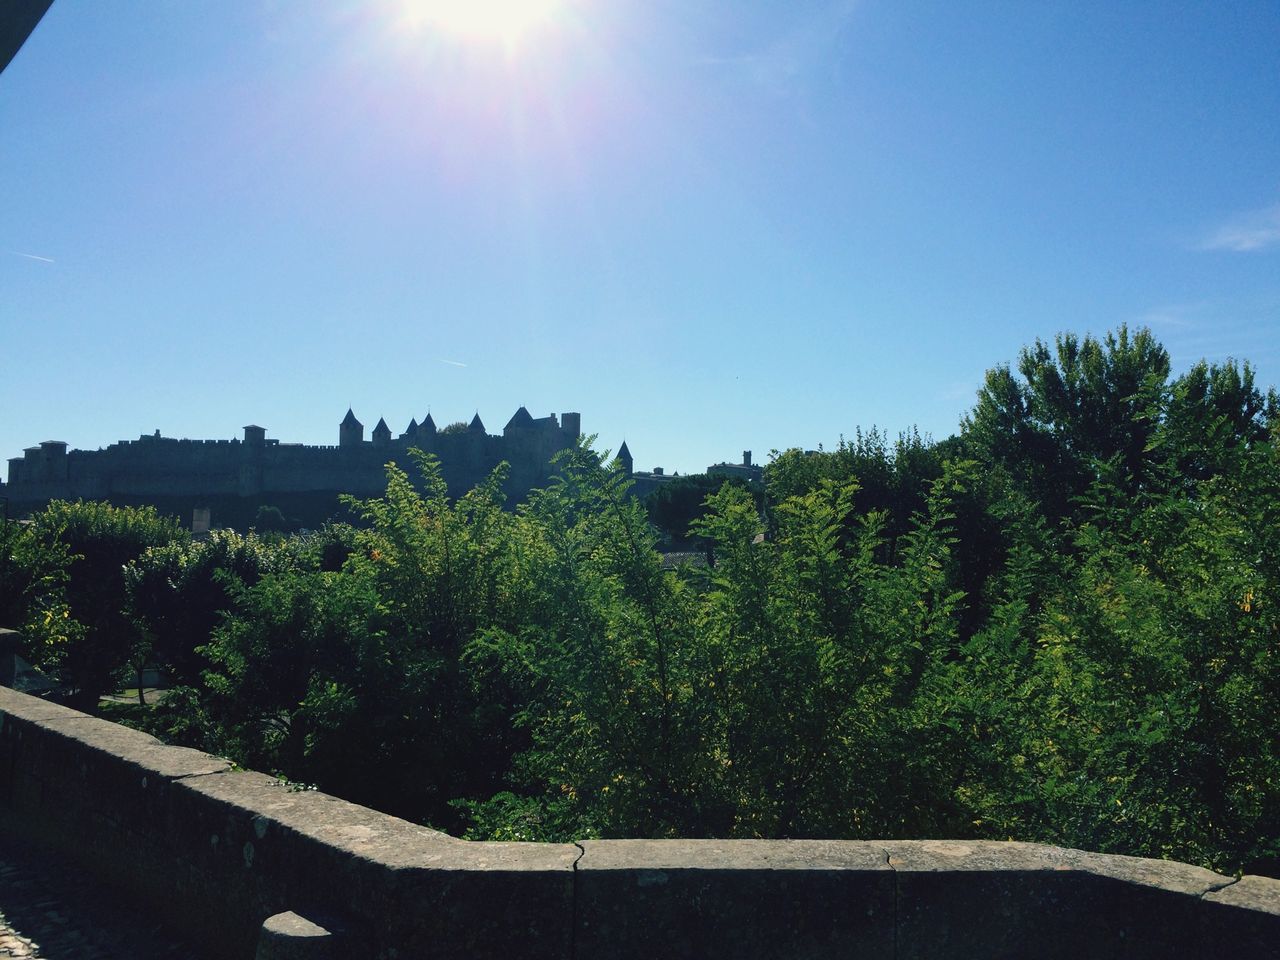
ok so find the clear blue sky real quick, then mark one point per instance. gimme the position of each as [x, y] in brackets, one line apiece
[708, 225]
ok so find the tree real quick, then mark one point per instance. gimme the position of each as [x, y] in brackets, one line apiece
[674, 506]
[770, 695]
[176, 594]
[76, 623]
[16, 572]
[352, 678]
[602, 666]
[1214, 415]
[269, 519]
[1082, 404]
[893, 477]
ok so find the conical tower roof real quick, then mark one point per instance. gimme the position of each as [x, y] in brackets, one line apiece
[428, 424]
[382, 429]
[521, 418]
[477, 423]
[623, 452]
[412, 428]
[350, 420]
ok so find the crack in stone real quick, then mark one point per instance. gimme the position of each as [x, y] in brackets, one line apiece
[1220, 886]
[573, 903]
[206, 773]
[888, 862]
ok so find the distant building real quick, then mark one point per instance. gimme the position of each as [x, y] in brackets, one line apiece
[180, 476]
[643, 482]
[745, 470]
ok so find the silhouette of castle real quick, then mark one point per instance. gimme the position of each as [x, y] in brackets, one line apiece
[180, 474]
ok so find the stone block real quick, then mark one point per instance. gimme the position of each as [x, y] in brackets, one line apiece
[267, 848]
[288, 936]
[992, 899]
[1243, 919]
[734, 898]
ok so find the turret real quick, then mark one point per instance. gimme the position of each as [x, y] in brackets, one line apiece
[571, 424]
[477, 425]
[350, 431]
[49, 459]
[381, 433]
[521, 419]
[624, 457]
[428, 427]
[255, 436]
[411, 431]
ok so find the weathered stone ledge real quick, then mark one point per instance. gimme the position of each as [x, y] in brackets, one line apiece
[219, 851]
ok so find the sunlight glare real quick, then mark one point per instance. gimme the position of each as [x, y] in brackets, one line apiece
[505, 20]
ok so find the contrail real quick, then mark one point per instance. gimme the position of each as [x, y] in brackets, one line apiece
[32, 256]
[452, 363]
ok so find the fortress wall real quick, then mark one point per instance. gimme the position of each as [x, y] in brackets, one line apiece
[217, 851]
[159, 466]
[168, 470]
[300, 469]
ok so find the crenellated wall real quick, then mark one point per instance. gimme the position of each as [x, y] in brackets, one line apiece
[218, 851]
[160, 469]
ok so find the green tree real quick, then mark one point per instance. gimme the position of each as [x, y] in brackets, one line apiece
[351, 678]
[767, 696]
[1214, 415]
[76, 621]
[16, 572]
[674, 506]
[270, 519]
[604, 666]
[176, 594]
[1078, 405]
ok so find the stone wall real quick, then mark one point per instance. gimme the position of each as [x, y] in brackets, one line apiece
[218, 851]
[155, 469]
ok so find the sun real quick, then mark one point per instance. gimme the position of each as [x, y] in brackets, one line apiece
[505, 21]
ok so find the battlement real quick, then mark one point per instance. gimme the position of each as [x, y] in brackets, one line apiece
[181, 469]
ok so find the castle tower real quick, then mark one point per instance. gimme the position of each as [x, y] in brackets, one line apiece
[255, 436]
[428, 427]
[624, 457]
[411, 431]
[350, 431]
[477, 425]
[381, 433]
[521, 419]
[571, 424]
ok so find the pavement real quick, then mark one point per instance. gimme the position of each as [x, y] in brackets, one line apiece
[52, 911]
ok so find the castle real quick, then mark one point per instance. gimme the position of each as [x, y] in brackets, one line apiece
[235, 477]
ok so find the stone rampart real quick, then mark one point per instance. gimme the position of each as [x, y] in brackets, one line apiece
[220, 852]
[159, 470]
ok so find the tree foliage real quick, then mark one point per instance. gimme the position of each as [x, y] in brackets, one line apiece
[1061, 625]
[75, 559]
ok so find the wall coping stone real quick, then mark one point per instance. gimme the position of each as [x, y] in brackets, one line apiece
[1250, 893]
[288, 936]
[230, 849]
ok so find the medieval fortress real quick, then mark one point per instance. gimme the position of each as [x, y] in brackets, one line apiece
[154, 468]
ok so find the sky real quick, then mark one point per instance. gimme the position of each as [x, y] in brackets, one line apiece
[707, 225]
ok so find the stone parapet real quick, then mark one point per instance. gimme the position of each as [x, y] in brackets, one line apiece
[219, 852]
